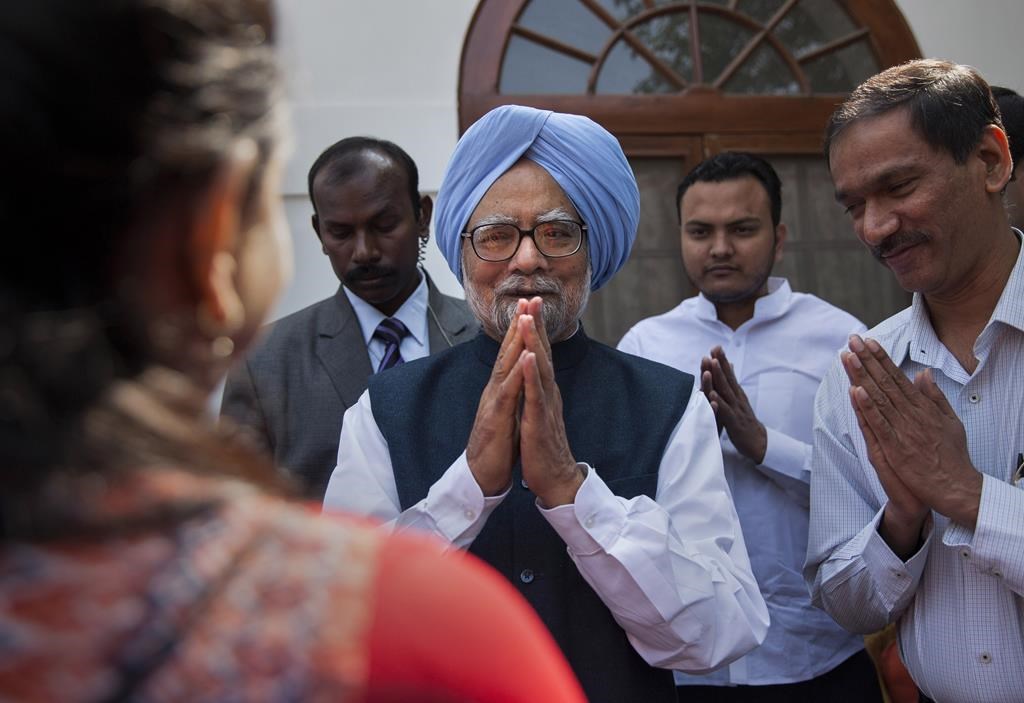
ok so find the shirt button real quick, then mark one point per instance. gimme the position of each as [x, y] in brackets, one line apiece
[523, 483]
[997, 573]
[589, 522]
[974, 398]
[470, 515]
[966, 554]
[526, 576]
[985, 658]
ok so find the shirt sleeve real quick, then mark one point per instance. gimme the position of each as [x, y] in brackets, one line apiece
[852, 573]
[673, 571]
[445, 627]
[996, 544]
[786, 464]
[363, 482]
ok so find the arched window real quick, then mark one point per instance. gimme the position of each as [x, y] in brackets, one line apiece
[679, 81]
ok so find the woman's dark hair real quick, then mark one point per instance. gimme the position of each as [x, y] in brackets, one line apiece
[113, 114]
[950, 104]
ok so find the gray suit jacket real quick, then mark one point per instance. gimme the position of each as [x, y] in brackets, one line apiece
[294, 387]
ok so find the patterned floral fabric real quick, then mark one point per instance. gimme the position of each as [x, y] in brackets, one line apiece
[253, 599]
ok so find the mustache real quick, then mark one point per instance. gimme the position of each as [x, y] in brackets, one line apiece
[897, 241]
[536, 284]
[361, 273]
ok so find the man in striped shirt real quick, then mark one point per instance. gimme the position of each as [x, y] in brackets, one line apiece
[916, 512]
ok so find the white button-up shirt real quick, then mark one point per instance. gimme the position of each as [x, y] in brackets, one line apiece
[779, 357]
[412, 314]
[673, 571]
[958, 599]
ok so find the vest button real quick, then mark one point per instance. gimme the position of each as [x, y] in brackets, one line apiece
[526, 576]
[523, 483]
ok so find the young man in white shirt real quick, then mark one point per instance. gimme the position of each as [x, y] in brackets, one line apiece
[760, 351]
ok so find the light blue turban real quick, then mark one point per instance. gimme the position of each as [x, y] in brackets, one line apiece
[583, 158]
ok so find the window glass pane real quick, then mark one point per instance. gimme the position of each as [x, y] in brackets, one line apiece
[813, 23]
[622, 9]
[843, 70]
[568, 21]
[624, 72]
[668, 37]
[760, 10]
[763, 73]
[720, 40]
[532, 68]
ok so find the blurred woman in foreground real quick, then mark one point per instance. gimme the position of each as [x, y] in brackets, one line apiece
[144, 554]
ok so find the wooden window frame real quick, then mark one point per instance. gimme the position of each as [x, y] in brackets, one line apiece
[646, 124]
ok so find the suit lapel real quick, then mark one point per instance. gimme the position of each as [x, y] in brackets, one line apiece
[342, 351]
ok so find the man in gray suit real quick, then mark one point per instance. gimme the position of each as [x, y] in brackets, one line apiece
[293, 389]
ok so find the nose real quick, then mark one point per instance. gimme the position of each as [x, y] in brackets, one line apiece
[528, 258]
[877, 223]
[721, 245]
[365, 250]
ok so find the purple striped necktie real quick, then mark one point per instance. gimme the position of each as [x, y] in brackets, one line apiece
[390, 331]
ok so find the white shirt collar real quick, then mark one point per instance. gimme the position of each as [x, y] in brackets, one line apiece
[768, 306]
[412, 314]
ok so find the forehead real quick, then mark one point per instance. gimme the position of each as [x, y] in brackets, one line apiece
[872, 149]
[732, 199]
[521, 194]
[373, 182]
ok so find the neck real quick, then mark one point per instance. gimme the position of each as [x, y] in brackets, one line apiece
[959, 316]
[734, 313]
[390, 307]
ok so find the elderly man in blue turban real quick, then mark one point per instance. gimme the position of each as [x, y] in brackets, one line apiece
[592, 479]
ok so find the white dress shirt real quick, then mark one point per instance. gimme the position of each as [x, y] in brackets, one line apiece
[779, 357]
[958, 599]
[412, 314]
[673, 571]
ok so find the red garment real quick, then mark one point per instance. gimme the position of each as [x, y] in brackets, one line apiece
[255, 598]
[451, 624]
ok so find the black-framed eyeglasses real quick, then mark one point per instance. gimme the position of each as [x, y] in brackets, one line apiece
[553, 239]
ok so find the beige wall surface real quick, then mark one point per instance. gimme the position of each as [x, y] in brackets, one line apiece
[389, 69]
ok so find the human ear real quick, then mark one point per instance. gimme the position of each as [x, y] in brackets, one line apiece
[426, 210]
[213, 239]
[994, 152]
[780, 238]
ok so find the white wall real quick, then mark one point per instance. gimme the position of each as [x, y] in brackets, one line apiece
[389, 69]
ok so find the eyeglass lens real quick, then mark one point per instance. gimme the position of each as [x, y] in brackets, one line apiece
[499, 242]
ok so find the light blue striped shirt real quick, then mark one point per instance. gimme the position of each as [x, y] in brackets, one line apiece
[958, 600]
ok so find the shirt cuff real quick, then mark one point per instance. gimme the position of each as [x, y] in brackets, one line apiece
[786, 456]
[593, 522]
[893, 577]
[990, 543]
[456, 503]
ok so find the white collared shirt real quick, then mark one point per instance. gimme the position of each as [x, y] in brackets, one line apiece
[412, 314]
[779, 357]
[673, 571]
[958, 600]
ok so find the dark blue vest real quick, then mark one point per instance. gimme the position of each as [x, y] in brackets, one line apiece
[619, 412]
